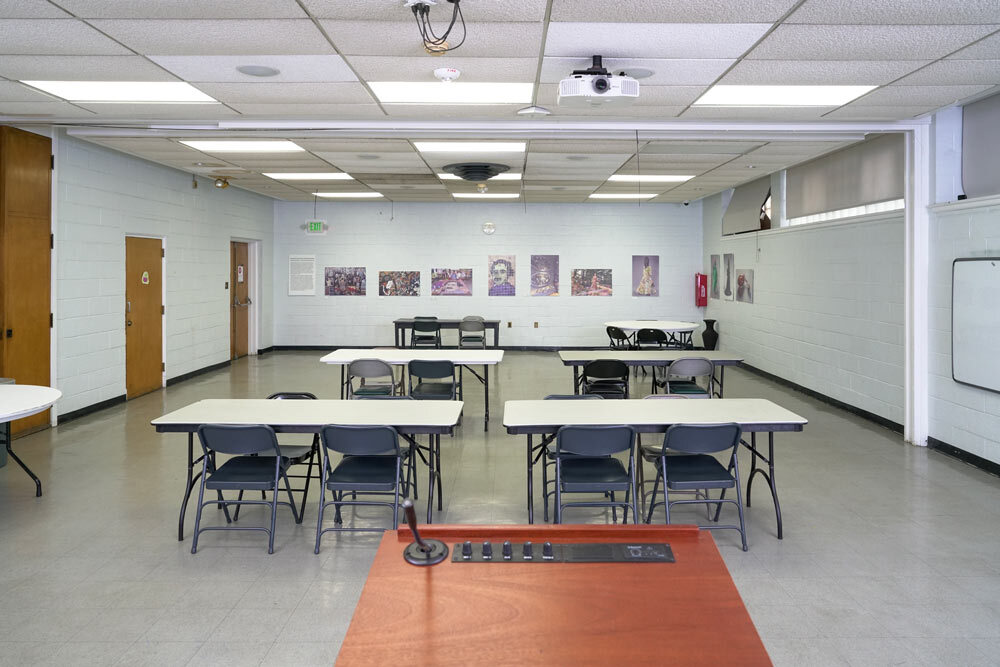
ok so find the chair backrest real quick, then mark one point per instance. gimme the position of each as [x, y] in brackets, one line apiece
[571, 397]
[471, 326]
[292, 396]
[691, 367]
[702, 438]
[657, 396]
[594, 440]
[425, 317]
[361, 440]
[611, 369]
[651, 336]
[422, 368]
[383, 397]
[479, 318]
[426, 326]
[617, 336]
[239, 439]
[369, 368]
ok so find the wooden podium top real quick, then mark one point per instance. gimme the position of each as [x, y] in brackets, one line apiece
[688, 612]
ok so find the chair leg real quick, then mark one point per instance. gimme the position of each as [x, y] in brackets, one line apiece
[291, 498]
[309, 473]
[437, 474]
[236, 514]
[337, 496]
[197, 517]
[545, 486]
[322, 506]
[395, 498]
[274, 516]
[652, 497]
[614, 510]
[557, 504]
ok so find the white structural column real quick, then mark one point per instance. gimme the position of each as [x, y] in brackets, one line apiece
[917, 248]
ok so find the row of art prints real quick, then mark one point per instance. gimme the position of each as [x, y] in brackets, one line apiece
[729, 283]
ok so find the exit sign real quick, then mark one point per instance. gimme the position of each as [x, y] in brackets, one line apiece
[315, 226]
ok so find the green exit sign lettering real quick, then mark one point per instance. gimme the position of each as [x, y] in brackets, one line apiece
[315, 227]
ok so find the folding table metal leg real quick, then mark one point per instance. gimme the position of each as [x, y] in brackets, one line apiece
[576, 379]
[768, 476]
[531, 480]
[486, 396]
[5, 434]
[189, 486]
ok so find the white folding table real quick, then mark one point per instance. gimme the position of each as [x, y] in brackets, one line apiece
[579, 358]
[669, 327]
[754, 415]
[463, 358]
[409, 418]
[23, 400]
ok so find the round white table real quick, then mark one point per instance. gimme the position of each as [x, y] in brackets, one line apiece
[23, 400]
[678, 332]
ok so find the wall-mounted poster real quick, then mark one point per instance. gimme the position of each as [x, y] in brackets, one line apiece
[301, 275]
[399, 283]
[591, 282]
[645, 275]
[744, 285]
[545, 275]
[451, 282]
[728, 288]
[501, 275]
[344, 280]
[713, 279]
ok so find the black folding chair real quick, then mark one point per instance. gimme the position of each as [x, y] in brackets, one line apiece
[605, 377]
[585, 463]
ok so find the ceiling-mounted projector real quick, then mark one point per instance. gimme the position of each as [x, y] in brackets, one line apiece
[596, 87]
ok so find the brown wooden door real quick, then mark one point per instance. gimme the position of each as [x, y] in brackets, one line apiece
[143, 315]
[25, 255]
[239, 307]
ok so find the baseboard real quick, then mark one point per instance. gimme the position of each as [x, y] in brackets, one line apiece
[847, 407]
[265, 350]
[90, 409]
[201, 371]
[992, 467]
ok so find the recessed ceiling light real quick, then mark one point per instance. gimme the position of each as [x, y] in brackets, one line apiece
[649, 178]
[263, 146]
[304, 176]
[349, 195]
[258, 70]
[124, 92]
[437, 93]
[470, 146]
[781, 96]
[508, 176]
[486, 195]
[633, 195]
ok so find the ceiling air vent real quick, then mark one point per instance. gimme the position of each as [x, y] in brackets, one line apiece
[476, 171]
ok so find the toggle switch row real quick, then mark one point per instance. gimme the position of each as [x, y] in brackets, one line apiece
[507, 549]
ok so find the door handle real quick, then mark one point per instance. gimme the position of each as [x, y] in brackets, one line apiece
[128, 323]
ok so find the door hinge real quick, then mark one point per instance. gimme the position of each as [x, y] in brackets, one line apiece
[163, 253]
[163, 310]
[51, 319]
[52, 241]
[52, 162]
[163, 366]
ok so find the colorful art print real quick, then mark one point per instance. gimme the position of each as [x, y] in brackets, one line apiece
[713, 278]
[344, 281]
[744, 285]
[591, 282]
[501, 275]
[399, 283]
[451, 282]
[545, 275]
[645, 275]
[728, 289]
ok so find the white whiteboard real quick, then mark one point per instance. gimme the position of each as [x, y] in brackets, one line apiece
[975, 322]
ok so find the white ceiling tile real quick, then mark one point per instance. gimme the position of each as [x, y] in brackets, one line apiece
[986, 49]
[11, 91]
[852, 112]
[672, 167]
[53, 110]
[568, 186]
[401, 38]
[445, 111]
[22, 9]
[183, 9]
[926, 12]
[438, 160]
[705, 147]
[290, 93]
[652, 40]
[54, 37]
[217, 37]
[756, 113]
[291, 68]
[314, 111]
[391, 10]
[865, 42]
[937, 96]
[675, 11]
[666, 72]
[403, 163]
[621, 113]
[819, 72]
[955, 72]
[421, 68]
[356, 145]
[73, 68]
[161, 111]
[622, 146]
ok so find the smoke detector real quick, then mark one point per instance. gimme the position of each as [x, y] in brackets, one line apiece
[447, 74]
[476, 171]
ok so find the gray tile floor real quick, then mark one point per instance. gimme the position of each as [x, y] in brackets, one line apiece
[889, 554]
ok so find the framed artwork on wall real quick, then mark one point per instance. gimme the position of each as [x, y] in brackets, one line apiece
[713, 277]
[451, 282]
[344, 281]
[728, 288]
[744, 285]
[501, 275]
[591, 282]
[399, 283]
[645, 275]
[545, 275]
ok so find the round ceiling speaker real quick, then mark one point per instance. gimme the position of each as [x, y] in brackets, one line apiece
[475, 171]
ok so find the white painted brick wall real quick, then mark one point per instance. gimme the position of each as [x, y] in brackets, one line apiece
[827, 311]
[962, 416]
[102, 196]
[422, 236]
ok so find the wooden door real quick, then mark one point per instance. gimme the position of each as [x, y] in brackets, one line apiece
[25, 255]
[239, 307]
[143, 315]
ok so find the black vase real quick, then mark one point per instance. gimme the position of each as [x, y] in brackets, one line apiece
[709, 337]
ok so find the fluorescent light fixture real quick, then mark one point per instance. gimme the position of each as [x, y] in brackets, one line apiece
[649, 178]
[507, 176]
[304, 176]
[124, 92]
[781, 96]
[263, 146]
[438, 93]
[487, 195]
[631, 195]
[470, 146]
[349, 195]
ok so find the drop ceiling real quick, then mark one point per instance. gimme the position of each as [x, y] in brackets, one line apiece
[922, 55]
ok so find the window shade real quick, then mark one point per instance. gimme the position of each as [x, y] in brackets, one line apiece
[743, 213]
[865, 173]
[981, 147]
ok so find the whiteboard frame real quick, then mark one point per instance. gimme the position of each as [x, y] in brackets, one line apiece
[954, 262]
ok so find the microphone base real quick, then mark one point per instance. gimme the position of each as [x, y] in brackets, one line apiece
[413, 554]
